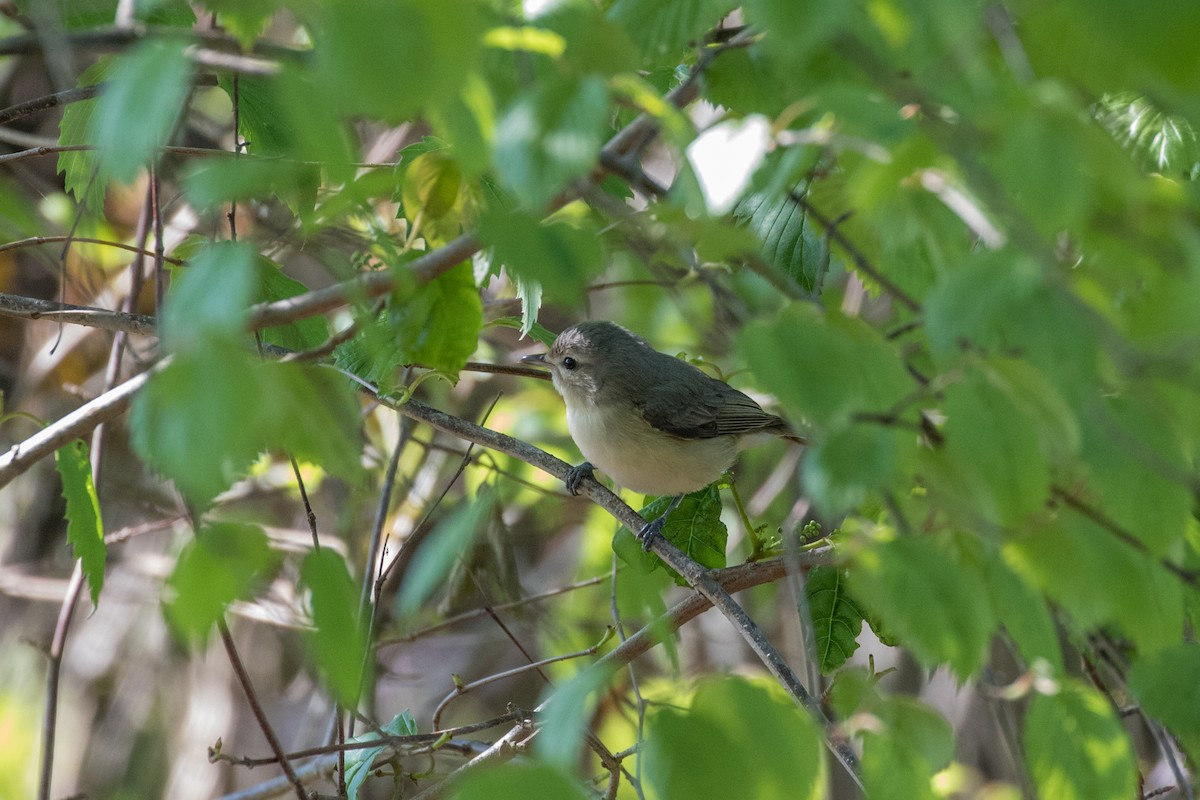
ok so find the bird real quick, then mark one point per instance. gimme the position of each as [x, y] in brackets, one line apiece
[651, 422]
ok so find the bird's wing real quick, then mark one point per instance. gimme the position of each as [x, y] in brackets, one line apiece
[700, 407]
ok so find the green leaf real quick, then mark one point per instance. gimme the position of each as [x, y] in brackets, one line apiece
[211, 296]
[695, 527]
[536, 332]
[1138, 470]
[1024, 613]
[303, 334]
[212, 184]
[663, 27]
[360, 762]
[262, 120]
[992, 457]
[594, 43]
[190, 424]
[997, 303]
[85, 531]
[222, 564]
[1165, 683]
[245, 19]
[437, 324]
[1100, 580]
[928, 597]
[1076, 748]
[745, 81]
[843, 467]
[900, 761]
[549, 135]
[392, 58]
[837, 619]
[139, 106]
[437, 555]
[468, 121]
[567, 717]
[339, 642]
[736, 740]
[80, 168]
[787, 240]
[434, 192]
[204, 419]
[519, 780]
[1042, 161]
[825, 368]
[1158, 141]
[796, 31]
[560, 257]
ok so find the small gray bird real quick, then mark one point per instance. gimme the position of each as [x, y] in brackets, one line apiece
[653, 423]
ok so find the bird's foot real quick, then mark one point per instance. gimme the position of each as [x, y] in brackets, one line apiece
[650, 530]
[576, 474]
[654, 527]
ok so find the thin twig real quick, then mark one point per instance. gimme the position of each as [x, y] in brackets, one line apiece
[481, 612]
[1188, 576]
[259, 714]
[462, 689]
[53, 672]
[861, 262]
[40, 240]
[68, 96]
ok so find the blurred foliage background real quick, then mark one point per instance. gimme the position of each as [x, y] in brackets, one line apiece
[954, 242]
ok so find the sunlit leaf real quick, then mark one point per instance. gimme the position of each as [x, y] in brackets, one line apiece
[148, 84]
[339, 639]
[837, 619]
[85, 530]
[1076, 748]
[223, 564]
[736, 740]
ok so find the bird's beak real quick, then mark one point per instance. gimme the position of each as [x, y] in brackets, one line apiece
[537, 358]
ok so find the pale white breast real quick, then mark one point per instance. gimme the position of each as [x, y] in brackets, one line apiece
[638, 457]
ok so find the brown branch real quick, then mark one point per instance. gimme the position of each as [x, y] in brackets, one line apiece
[382, 739]
[40, 240]
[367, 286]
[114, 38]
[75, 95]
[1187, 576]
[483, 612]
[260, 715]
[861, 262]
[697, 577]
[77, 424]
[57, 646]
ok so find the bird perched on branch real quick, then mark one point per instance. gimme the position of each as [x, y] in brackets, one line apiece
[651, 422]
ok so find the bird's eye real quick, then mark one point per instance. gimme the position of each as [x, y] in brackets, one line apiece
[569, 363]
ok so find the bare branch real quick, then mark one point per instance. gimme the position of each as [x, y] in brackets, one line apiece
[78, 423]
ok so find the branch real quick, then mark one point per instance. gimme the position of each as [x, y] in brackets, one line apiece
[698, 578]
[115, 38]
[861, 263]
[79, 422]
[13, 305]
[68, 96]
[732, 579]
[260, 715]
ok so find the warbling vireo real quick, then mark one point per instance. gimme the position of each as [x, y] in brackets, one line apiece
[651, 422]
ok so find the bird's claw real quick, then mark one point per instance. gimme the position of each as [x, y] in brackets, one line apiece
[575, 475]
[650, 530]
